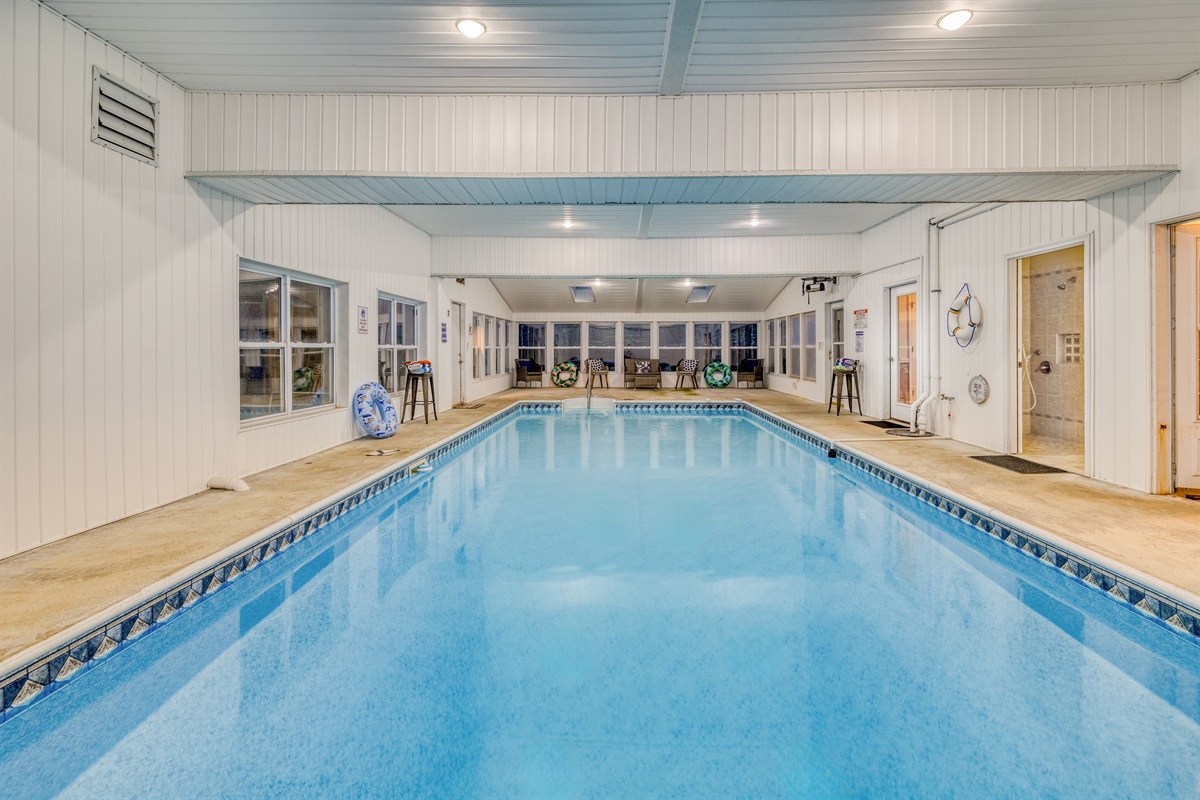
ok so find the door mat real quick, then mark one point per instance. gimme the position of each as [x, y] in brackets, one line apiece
[1016, 464]
[882, 423]
[473, 405]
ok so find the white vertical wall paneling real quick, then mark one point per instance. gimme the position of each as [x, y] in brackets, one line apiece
[8, 261]
[118, 287]
[927, 129]
[49, 270]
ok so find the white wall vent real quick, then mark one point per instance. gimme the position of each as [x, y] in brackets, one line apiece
[123, 118]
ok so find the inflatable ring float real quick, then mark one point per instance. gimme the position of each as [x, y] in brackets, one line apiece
[302, 379]
[964, 317]
[565, 374]
[718, 375]
[374, 410]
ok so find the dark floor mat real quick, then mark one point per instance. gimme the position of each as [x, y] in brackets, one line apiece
[473, 405]
[1016, 464]
[883, 423]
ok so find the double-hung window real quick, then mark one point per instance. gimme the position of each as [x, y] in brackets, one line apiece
[566, 342]
[743, 342]
[672, 344]
[531, 343]
[397, 334]
[602, 342]
[780, 324]
[707, 338]
[286, 343]
[809, 319]
[636, 341]
[795, 346]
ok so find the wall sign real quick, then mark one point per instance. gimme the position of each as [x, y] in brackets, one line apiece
[444, 337]
[859, 336]
[362, 319]
[860, 317]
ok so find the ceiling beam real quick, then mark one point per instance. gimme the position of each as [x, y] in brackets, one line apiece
[681, 35]
[644, 220]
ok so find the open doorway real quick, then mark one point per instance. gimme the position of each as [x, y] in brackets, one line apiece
[1050, 358]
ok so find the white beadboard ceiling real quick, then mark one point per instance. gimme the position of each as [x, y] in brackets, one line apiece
[644, 46]
[638, 295]
[648, 221]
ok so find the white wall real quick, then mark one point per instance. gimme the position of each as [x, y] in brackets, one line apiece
[906, 130]
[478, 297]
[118, 296]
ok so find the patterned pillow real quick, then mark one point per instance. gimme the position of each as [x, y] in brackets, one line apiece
[687, 365]
[596, 365]
[641, 367]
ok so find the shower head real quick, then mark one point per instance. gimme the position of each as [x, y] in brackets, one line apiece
[1069, 280]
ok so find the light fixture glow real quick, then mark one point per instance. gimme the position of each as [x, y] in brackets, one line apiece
[596, 282]
[754, 222]
[687, 281]
[568, 224]
[954, 20]
[471, 28]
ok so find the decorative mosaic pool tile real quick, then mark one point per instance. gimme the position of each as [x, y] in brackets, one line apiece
[50, 671]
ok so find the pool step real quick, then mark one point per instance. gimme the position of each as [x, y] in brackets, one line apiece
[579, 405]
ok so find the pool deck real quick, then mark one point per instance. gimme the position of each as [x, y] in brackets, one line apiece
[47, 590]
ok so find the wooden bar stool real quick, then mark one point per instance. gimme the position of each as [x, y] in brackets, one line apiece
[845, 381]
[425, 382]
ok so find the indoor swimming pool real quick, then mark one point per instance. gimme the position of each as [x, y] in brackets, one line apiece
[632, 604]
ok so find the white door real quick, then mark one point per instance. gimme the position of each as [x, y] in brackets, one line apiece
[903, 356]
[457, 311]
[1187, 356]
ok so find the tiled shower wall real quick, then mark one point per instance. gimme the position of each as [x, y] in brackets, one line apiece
[1048, 313]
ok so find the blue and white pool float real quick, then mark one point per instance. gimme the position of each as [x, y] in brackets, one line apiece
[375, 412]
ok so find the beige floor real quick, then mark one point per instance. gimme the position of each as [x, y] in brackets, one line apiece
[46, 590]
[1053, 452]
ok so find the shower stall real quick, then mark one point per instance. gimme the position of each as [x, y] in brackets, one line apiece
[1051, 358]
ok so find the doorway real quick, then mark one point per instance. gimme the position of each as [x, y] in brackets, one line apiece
[836, 335]
[903, 357]
[1185, 270]
[1051, 370]
[457, 318]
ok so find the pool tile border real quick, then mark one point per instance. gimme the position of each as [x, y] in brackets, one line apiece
[50, 670]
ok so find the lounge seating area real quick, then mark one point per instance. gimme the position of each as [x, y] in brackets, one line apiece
[642, 373]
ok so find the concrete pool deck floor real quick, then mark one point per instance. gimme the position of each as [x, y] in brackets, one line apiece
[47, 590]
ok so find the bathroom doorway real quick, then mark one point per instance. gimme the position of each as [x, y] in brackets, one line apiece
[1051, 360]
[1185, 268]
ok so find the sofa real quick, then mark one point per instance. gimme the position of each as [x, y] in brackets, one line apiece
[642, 373]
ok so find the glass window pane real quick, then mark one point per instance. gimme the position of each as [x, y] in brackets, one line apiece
[707, 339]
[258, 306]
[260, 389]
[385, 321]
[387, 369]
[406, 324]
[794, 346]
[312, 312]
[566, 342]
[672, 345]
[531, 343]
[311, 368]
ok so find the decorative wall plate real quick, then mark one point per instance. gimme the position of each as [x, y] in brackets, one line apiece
[978, 389]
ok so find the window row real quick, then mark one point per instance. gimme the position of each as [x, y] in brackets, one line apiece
[792, 345]
[287, 342]
[548, 343]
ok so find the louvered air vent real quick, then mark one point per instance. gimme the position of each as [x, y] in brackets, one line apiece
[123, 119]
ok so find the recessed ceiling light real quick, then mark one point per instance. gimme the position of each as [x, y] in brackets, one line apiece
[473, 28]
[954, 20]
[568, 224]
[754, 222]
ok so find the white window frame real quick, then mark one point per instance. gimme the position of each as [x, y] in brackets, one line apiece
[397, 353]
[285, 345]
[808, 332]
[658, 346]
[795, 350]
[735, 352]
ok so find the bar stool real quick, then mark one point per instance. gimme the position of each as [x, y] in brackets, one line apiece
[425, 381]
[846, 383]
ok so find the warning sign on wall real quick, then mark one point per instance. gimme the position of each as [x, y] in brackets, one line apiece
[860, 318]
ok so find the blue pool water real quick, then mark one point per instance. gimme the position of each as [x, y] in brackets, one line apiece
[632, 606]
